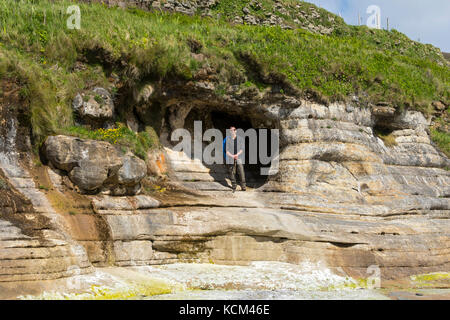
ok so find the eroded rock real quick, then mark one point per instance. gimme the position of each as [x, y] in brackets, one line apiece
[94, 166]
[94, 106]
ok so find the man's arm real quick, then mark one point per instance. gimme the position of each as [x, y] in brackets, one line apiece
[227, 147]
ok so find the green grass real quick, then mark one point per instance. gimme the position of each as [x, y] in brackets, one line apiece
[442, 139]
[377, 65]
[229, 9]
[385, 135]
[41, 187]
[138, 143]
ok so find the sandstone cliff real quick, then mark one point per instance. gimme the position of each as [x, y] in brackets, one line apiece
[341, 197]
[360, 182]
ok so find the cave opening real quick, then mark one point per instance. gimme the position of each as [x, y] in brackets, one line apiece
[384, 131]
[223, 120]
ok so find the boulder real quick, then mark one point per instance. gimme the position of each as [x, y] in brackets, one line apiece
[94, 166]
[383, 111]
[94, 106]
[66, 152]
[90, 175]
[438, 105]
[156, 163]
[144, 94]
[133, 170]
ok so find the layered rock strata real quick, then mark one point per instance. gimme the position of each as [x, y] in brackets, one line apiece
[342, 196]
[95, 166]
[34, 243]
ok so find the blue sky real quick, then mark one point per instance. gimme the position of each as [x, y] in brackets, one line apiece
[427, 20]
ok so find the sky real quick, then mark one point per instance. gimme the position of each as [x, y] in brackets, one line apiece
[427, 21]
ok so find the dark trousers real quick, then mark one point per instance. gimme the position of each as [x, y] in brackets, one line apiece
[232, 172]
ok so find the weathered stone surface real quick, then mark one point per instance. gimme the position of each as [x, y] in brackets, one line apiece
[95, 165]
[66, 152]
[341, 196]
[105, 203]
[156, 163]
[133, 252]
[132, 170]
[238, 236]
[34, 242]
[96, 105]
[143, 95]
[89, 175]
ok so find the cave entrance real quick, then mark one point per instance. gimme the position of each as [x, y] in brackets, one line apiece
[223, 120]
[385, 133]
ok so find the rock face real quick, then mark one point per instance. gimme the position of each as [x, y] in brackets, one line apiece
[342, 196]
[353, 159]
[287, 16]
[34, 243]
[95, 166]
[94, 107]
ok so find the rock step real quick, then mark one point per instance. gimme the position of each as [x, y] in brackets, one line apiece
[10, 232]
[205, 186]
[196, 176]
[29, 258]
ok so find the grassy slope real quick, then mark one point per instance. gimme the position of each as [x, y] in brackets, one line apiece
[232, 8]
[442, 139]
[375, 64]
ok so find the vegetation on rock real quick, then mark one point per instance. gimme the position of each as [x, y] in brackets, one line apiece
[52, 63]
[442, 139]
[139, 142]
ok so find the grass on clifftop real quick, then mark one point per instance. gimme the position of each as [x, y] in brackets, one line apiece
[229, 9]
[376, 65]
[442, 139]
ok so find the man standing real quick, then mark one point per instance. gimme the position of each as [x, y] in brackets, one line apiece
[232, 152]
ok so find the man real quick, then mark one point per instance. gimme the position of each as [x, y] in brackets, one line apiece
[232, 151]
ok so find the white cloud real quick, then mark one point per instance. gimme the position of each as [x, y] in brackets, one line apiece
[428, 21]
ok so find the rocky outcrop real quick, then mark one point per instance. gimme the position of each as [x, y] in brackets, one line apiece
[366, 201]
[123, 215]
[34, 243]
[95, 166]
[94, 107]
[241, 234]
[342, 196]
[441, 117]
[286, 16]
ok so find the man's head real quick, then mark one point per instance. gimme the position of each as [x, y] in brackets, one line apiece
[233, 132]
